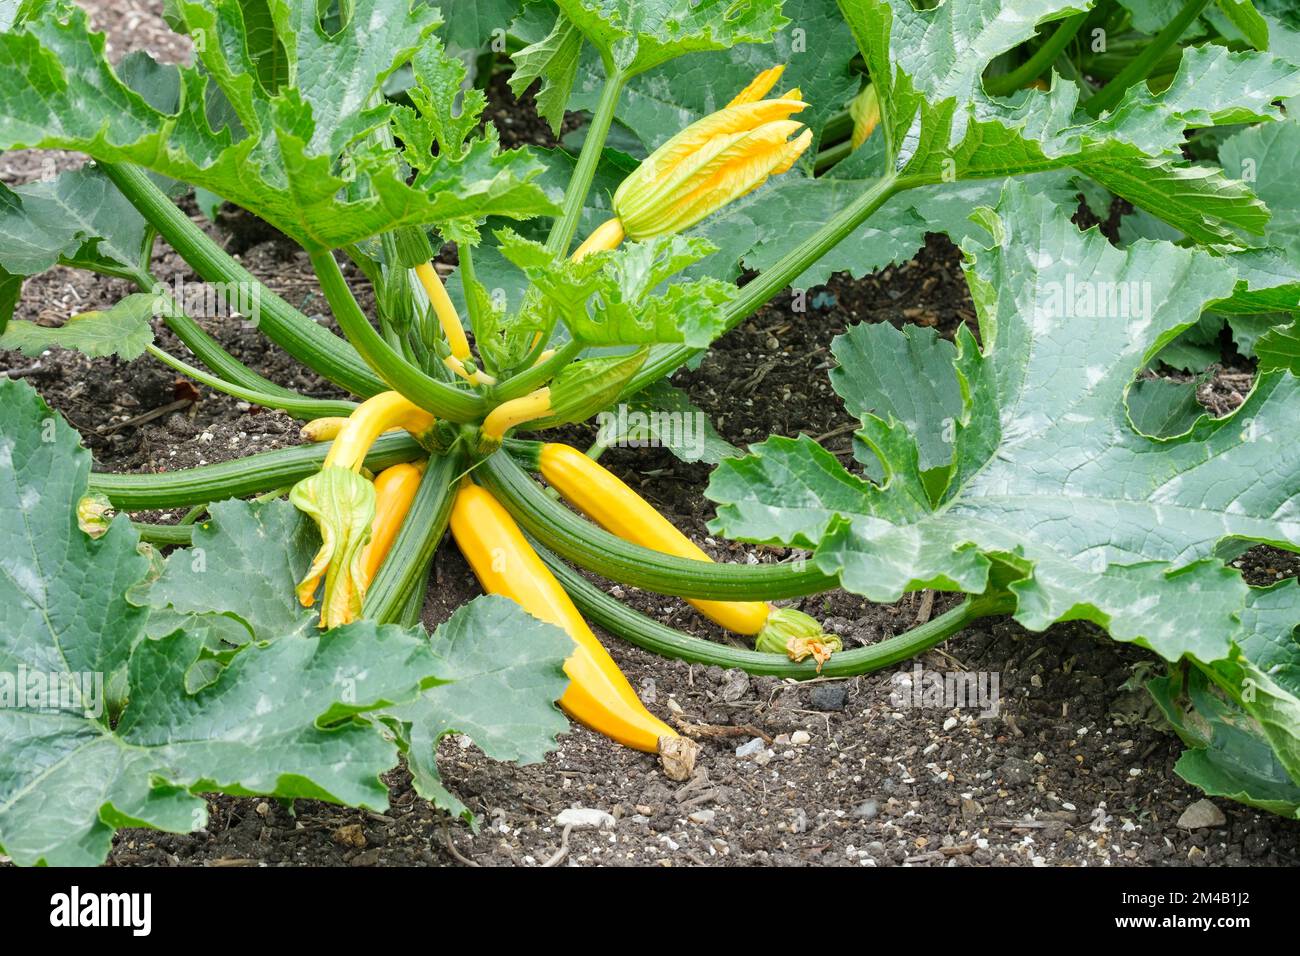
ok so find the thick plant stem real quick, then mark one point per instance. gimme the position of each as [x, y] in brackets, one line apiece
[769, 282]
[650, 635]
[1140, 66]
[235, 479]
[311, 344]
[406, 569]
[165, 535]
[1042, 58]
[298, 406]
[443, 400]
[595, 549]
[566, 226]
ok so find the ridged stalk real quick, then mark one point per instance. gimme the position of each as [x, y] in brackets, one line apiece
[648, 634]
[314, 346]
[236, 479]
[439, 398]
[404, 572]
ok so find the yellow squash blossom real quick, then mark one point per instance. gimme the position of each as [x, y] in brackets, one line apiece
[342, 503]
[865, 110]
[713, 161]
[797, 635]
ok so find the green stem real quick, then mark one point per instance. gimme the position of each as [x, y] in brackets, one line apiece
[595, 549]
[314, 346]
[407, 565]
[235, 479]
[468, 279]
[1140, 66]
[439, 398]
[837, 127]
[831, 155]
[1042, 58]
[165, 535]
[204, 346]
[648, 634]
[195, 513]
[537, 376]
[297, 406]
[566, 226]
[663, 360]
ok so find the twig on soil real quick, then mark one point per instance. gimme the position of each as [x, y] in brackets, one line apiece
[451, 848]
[850, 427]
[24, 372]
[926, 609]
[562, 852]
[709, 731]
[148, 416]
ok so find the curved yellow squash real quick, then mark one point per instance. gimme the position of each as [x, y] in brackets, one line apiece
[606, 500]
[504, 563]
[395, 489]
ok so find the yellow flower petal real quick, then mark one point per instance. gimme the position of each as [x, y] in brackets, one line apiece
[342, 504]
[759, 86]
[741, 165]
[665, 161]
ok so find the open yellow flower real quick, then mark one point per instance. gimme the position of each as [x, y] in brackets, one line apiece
[342, 503]
[714, 161]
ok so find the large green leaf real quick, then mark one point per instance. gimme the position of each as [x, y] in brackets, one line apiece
[78, 218]
[663, 415]
[905, 376]
[940, 125]
[637, 35]
[505, 670]
[1243, 727]
[280, 719]
[554, 59]
[1226, 756]
[1107, 524]
[62, 594]
[122, 329]
[1266, 157]
[611, 297]
[1280, 348]
[244, 562]
[303, 158]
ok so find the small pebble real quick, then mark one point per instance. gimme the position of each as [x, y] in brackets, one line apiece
[800, 737]
[579, 817]
[1200, 814]
[828, 697]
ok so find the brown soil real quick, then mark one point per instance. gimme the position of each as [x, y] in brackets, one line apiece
[1075, 770]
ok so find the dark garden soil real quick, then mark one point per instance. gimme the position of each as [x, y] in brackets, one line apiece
[1076, 768]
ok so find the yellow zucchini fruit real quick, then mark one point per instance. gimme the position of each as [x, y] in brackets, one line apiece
[598, 696]
[608, 501]
[395, 489]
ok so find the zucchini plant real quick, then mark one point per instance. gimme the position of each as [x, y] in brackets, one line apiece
[1019, 469]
